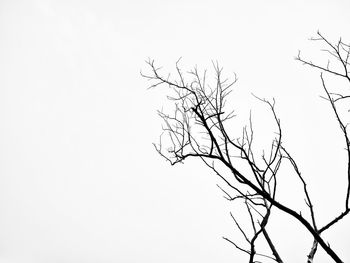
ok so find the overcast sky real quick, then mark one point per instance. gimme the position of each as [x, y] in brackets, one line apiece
[79, 178]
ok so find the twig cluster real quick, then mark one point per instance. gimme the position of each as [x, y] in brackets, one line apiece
[197, 129]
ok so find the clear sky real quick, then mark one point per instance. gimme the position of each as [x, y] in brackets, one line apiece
[79, 178]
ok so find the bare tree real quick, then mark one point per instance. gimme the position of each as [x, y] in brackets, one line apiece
[198, 128]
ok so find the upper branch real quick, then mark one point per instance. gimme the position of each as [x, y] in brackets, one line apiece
[340, 52]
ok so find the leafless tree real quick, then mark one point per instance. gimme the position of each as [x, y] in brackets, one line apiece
[198, 128]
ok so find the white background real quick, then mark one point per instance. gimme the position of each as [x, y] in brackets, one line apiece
[79, 178]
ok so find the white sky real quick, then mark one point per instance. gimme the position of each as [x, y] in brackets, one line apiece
[79, 178]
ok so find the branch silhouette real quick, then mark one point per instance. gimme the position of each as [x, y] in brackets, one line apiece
[197, 128]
